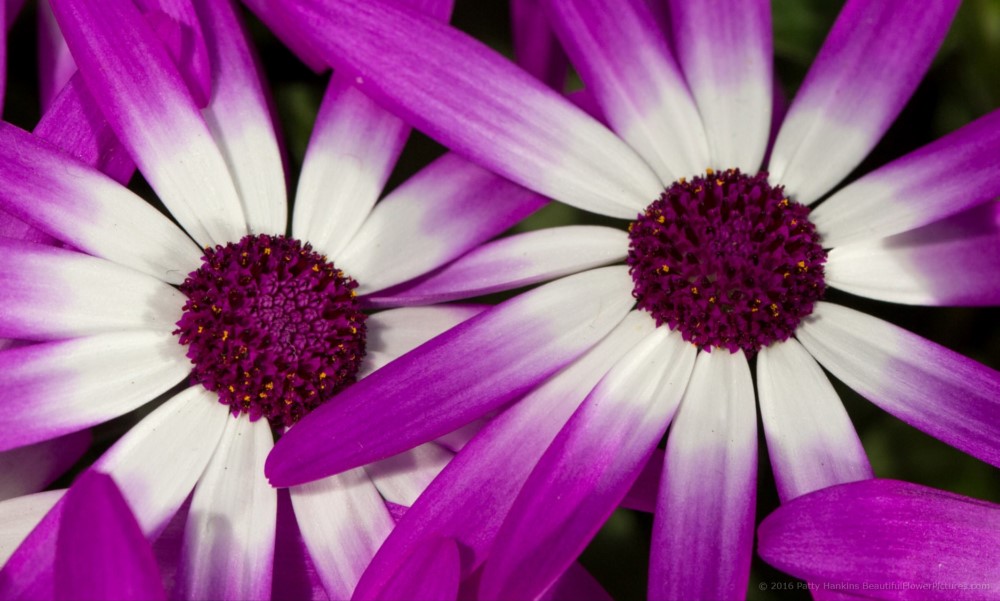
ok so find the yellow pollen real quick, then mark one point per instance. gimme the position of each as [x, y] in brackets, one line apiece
[665, 268]
[267, 251]
[711, 299]
[232, 388]
[225, 334]
[322, 375]
[784, 202]
[694, 290]
[316, 268]
[710, 171]
[661, 219]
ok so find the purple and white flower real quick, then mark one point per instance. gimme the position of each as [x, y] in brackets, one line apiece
[268, 325]
[884, 539]
[722, 251]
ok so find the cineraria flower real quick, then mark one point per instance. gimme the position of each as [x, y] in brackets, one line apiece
[724, 260]
[262, 326]
[884, 539]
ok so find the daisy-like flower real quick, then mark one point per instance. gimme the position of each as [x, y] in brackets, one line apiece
[263, 327]
[724, 259]
[884, 539]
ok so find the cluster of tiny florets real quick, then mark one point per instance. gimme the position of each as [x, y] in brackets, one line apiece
[272, 327]
[728, 260]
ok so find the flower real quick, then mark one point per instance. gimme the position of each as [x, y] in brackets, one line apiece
[886, 539]
[113, 333]
[722, 254]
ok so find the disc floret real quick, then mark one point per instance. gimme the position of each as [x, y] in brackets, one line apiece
[272, 327]
[728, 260]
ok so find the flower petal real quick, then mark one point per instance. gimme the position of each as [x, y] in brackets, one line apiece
[900, 540]
[353, 148]
[642, 495]
[725, 50]
[810, 438]
[951, 397]
[158, 461]
[899, 269]
[536, 48]
[624, 60]
[501, 118]
[144, 98]
[240, 121]
[343, 521]
[589, 467]
[473, 494]
[445, 210]
[400, 479]
[513, 262]
[31, 468]
[101, 553]
[229, 539]
[55, 63]
[295, 574]
[941, 179]
[30, 571]
[431, 572]
[576, 583]
[287, 29]
[50, 293]
[422, 396]
[88, 210]
[869, 65]
[20, 515]
[703, 529]
[54, 388]
[395, 332]
[75, 124]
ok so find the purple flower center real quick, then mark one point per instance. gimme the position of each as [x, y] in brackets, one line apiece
[727, 260]
[272, 327]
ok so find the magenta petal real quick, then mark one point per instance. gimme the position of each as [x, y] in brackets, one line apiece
[30, 572]
[473, 494]
[576, 584]
[494, 114]
[888, 539]
[55, 64]
[101, 552]
[432, 572]
[869, 65]
[462, 374]
[589, 467]
[642, 495]
[536, 48]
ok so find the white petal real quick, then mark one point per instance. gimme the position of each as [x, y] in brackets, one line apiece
[20, 515]
[401, 478]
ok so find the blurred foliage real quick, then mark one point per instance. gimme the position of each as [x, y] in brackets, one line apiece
[963, 83]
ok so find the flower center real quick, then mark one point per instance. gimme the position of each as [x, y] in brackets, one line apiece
[272, 327]
[727, 260]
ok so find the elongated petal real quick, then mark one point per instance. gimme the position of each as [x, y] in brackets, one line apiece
[229, 539]
[536, 48]
[624, 60]
[576, 583]
[395, 332]
[240, 121]
[703, 530]
[148, 105]
[936, 390]
[295, 575]
[431, 572]
[54, 388]
[353, 148]
[20, 515]
[180, 29]
[101, 552]
[76, 125]
[642, 495]
[886, 535]
[400, 479]
[287, 29]
[3, 53]
[50, 293]
[503, 353]
[157, 463]
[513, 262]
[30, 571]
[959, 271]
[445, 210]
[343, 521]
[31, 468]
[495, 114]
[473, 494]
[589, 467]
[88, 210]
[869, 65]
[55, 64]
[943, 178]
[810, 438]
[725, 50]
